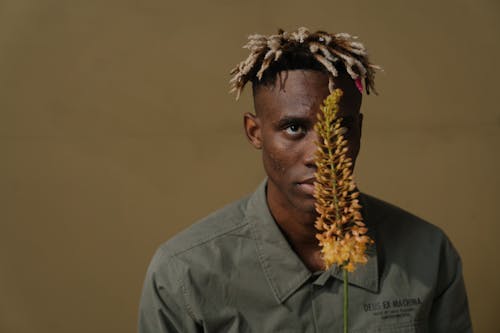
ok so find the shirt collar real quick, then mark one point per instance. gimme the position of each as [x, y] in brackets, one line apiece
[284, 270]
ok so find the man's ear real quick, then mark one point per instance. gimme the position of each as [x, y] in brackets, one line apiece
[253, 129]
[360, 124]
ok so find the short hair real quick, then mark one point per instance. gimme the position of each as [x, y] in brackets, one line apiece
[334, 54]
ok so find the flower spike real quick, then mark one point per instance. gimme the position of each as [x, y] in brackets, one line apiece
[341, 231]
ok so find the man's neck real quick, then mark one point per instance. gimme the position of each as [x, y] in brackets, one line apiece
[298, 228]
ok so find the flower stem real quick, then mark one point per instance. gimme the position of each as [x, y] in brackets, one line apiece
[346, 301]
[333, 170]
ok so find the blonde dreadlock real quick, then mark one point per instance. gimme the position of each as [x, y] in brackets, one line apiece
[330, 52]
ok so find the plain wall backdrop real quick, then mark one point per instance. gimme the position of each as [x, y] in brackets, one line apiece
[117, 131]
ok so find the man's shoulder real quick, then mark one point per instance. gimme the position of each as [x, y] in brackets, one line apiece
[391, 218]
[401, 233]
[215, 225]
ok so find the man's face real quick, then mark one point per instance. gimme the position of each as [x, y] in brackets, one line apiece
[283, 129]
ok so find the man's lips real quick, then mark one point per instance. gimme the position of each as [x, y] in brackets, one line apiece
[309, 180]
[307, 185]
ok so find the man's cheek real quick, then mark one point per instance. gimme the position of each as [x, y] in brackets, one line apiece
[276, 164]
[353, 147]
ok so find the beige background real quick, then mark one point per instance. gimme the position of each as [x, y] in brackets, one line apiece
[116, 131]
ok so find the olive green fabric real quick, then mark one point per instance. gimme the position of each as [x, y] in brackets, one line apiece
[235, 272]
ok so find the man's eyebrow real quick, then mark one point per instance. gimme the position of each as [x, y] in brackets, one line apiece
[287, 120]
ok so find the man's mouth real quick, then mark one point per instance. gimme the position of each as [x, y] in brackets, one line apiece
[307, 185]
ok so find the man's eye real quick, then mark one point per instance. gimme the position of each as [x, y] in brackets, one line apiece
[294, 129]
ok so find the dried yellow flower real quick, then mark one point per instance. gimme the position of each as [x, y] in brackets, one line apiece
[341, 231]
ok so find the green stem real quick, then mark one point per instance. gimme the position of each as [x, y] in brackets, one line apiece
[332, 167]
[346, 301]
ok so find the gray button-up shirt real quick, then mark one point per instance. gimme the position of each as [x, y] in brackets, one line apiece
[234, 271]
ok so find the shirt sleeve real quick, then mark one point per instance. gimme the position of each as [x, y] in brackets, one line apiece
[450, 309]
[163, 307]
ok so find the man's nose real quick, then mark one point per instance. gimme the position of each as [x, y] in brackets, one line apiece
[310, 148]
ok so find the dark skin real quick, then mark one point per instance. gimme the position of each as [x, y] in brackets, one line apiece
[282, 127]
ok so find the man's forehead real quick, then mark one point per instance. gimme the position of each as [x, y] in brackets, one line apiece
[301, 93]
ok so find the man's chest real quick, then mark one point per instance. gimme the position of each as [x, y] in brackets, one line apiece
[249, 305]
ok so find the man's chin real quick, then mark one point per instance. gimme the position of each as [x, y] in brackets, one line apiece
[306, 205]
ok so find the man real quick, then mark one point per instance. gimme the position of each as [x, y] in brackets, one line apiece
[255, 265]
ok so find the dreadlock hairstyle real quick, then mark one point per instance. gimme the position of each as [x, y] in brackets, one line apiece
[334, 54]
